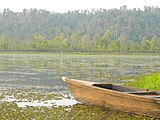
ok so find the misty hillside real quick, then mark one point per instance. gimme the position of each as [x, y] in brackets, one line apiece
[123, 24]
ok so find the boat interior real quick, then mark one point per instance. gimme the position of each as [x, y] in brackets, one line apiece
[128, 90]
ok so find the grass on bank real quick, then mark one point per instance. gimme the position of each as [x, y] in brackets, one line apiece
[149, 81]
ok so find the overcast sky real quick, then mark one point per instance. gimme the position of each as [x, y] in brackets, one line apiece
[65, 5]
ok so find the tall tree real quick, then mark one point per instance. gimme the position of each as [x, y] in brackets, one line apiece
[145, 44]
[154, 44]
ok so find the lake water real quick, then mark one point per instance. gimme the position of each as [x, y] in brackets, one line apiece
[43, 71]
[35, 80]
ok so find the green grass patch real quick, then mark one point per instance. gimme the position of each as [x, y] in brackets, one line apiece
[149, 81]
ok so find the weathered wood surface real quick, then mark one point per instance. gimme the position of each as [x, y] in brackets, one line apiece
[131, 100]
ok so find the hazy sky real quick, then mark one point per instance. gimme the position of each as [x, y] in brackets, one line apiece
[65, 5]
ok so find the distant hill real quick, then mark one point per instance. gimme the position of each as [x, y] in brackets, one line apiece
[101, 25]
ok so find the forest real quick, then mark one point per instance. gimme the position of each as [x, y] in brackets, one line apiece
[113, 30]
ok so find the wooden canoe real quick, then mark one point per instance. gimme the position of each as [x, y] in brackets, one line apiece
[131, 100]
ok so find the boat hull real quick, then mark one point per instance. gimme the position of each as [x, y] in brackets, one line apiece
[86, 93]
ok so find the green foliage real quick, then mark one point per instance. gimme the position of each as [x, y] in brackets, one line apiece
[115, 30]
[145, 45]
[82, 43]
[4, 42]
[114, 46]
[150, 81]
[154, 44]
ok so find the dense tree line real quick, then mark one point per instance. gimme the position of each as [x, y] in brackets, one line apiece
[114, 30]
[75, 42]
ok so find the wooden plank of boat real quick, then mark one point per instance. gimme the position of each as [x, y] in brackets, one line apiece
[131, 100]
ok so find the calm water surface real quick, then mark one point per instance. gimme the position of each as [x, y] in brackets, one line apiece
[44, 70]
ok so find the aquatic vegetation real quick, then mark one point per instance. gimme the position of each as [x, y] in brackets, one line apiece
[149, 81]
[1, 97]
[33, 79]
[37, 96]
[11, 109]
[77, 112]
[34, 98]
